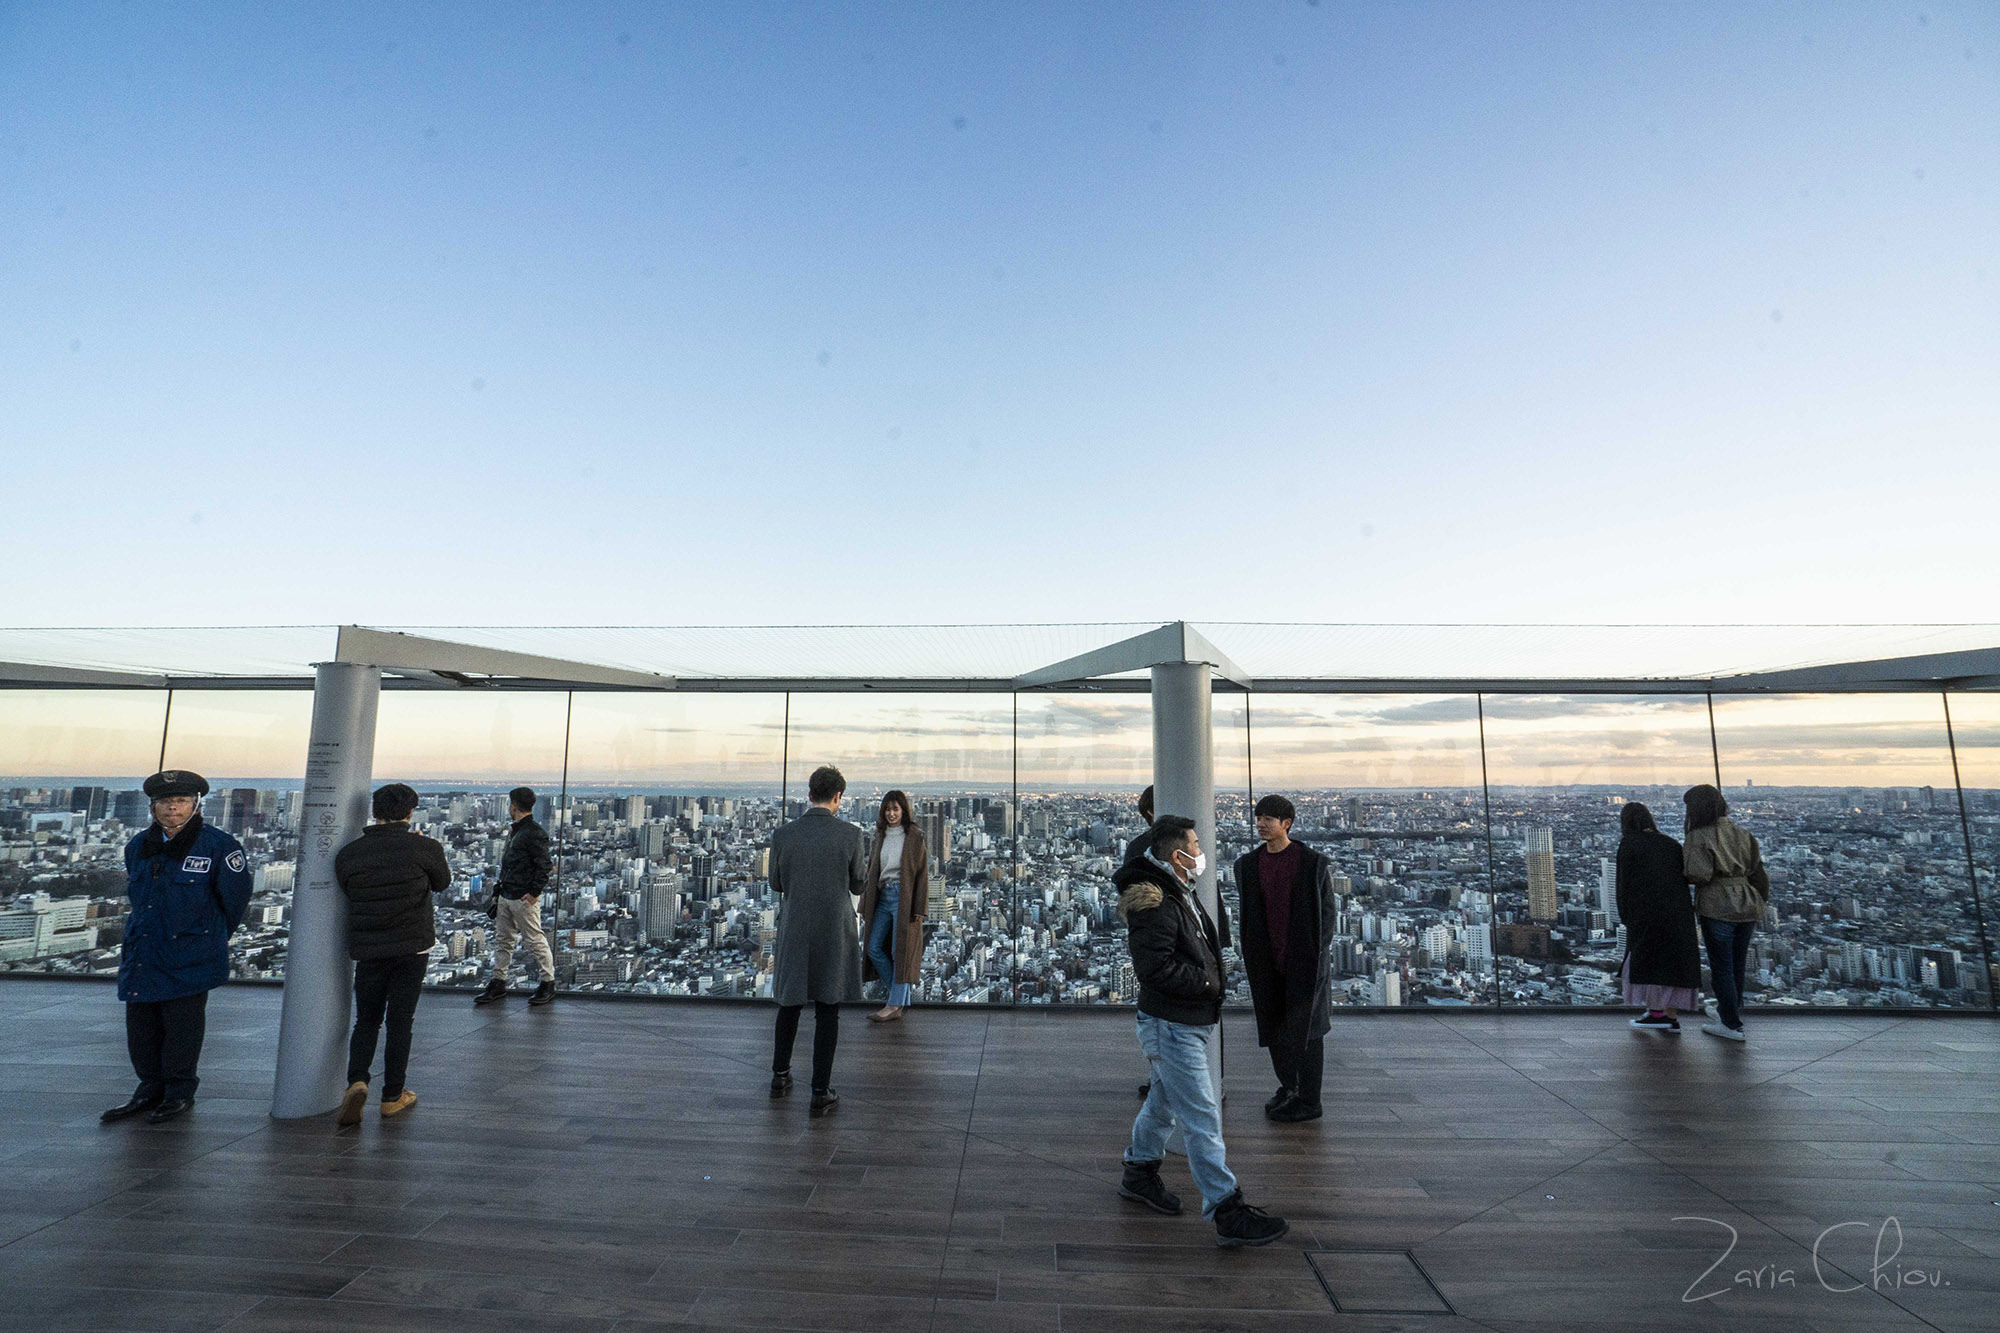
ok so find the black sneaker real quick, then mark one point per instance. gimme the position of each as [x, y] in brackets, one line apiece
[544, 994]
[1277, 1100]
[1656, 1023]
[781, 1083]
[1142, 1182]
[824, 1103]
[1238, 1224]
[495, 990]
[1293, 1110]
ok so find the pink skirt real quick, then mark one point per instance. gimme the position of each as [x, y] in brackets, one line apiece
[1656, 997]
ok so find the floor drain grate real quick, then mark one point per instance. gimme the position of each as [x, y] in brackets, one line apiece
[1377, 1282]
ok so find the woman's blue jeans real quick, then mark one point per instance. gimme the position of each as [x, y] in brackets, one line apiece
[882, 939]
[1728, 951]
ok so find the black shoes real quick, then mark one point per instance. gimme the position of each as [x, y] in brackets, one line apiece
[169, 1109]
[138, 1104]
[495, 990]
[1291, 1111]
[544, 994]
[1145, 1091]
[1278, 1099]
[825, 1103]
[1142, 1182]
[781, 1084]
[1238, 1224]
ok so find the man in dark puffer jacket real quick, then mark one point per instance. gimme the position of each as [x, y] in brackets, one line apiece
[388, 875]
[1177, 957]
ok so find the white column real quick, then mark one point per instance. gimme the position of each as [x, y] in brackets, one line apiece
[1184, 781]
[319, 978]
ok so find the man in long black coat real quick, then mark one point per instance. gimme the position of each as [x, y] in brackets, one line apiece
[1288, 917]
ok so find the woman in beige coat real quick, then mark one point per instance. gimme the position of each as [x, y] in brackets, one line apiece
[1731, 893]
[893, 900]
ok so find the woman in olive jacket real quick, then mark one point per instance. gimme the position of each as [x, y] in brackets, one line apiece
[1731, 893]
[1662, 968]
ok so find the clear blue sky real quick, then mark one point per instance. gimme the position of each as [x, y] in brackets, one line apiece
[921, 312]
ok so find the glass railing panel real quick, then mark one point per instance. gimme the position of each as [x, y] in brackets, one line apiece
[952, 755]
[1851, 797]
[1235, 830]
[251, 746]
[1388, 786]
[1561, 769]
[1084, 759]
[71, 765]
[1975, 720]
[673, 799]
[463, 750]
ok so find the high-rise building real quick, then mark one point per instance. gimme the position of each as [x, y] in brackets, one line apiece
[88, 801]
[1607, 891]
[635, 810]
[1540, 845]
[659, 907]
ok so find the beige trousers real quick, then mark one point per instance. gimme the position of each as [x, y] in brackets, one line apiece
[516, 917]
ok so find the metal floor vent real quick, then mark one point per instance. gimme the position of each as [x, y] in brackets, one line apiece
[1377, 1282]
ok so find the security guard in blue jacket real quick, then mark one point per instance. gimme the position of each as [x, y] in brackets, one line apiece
[189, 885]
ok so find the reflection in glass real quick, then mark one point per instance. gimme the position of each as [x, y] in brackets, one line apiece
[1084, 759]
[251, 746]
[1975, 721]
[463, 750]
[1235, 827]
[953, 755]
[1388, 787]
[1560, 769]
[71, 765]
[1852, 798]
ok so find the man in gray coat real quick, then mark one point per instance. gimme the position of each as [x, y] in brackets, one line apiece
[818, 869]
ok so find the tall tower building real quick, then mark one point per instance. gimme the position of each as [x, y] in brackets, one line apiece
[1607, 891]
[1540, 844]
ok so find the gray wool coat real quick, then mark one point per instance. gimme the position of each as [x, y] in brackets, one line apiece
[818, 868]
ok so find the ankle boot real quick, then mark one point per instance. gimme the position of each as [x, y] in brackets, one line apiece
[1142, 1182]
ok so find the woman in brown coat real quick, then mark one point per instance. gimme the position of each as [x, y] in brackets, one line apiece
[892, 903]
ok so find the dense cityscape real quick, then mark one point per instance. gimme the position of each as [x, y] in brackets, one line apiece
[665, 893]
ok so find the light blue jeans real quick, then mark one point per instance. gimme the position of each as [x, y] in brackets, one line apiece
[1182, 1089]
[882, 938]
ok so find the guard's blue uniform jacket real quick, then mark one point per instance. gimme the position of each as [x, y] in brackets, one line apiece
[186, 899]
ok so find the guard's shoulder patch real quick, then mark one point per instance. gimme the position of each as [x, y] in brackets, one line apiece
[234, 861]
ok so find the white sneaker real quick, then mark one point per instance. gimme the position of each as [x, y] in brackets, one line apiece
[1727, 1034]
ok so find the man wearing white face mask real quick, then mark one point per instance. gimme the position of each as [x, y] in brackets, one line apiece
[1177, 956]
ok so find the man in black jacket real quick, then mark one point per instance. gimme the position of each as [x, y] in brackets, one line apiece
[388, 875]
[1177, 956]
[1288, 925]
[516, 907]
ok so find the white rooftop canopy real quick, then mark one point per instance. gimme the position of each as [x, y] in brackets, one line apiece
[1261, 656]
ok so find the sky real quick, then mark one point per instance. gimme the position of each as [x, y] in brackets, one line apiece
[979, 743]
[892, 313]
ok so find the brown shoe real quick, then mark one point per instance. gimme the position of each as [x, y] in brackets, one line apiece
[886, 1014]
[351, 1104]
[399, 1105]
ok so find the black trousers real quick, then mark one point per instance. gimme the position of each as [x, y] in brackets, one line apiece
[826, 1036]
[392, 984]
[1299, 1066]
[164, 1039]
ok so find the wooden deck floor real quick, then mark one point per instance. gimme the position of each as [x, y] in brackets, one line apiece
[598, 1166]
